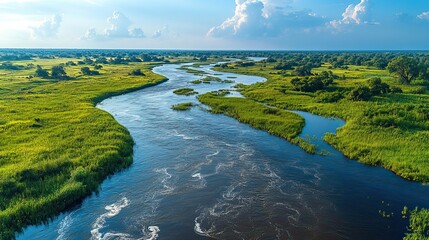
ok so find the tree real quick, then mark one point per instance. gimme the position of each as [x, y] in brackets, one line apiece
[361, 93]
[378, 87]
[137, 72]
[303, 70]
[58, 72]
[98, 66]
[42, 73]
[313, 83]
[424, 73]
[271, 60]
[283, 66]
[405, 68]
[87, 71]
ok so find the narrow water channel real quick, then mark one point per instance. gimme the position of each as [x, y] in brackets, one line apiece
[200, 176]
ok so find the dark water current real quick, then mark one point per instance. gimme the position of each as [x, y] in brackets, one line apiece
[199, 176]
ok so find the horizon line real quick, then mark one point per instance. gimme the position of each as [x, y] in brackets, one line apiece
[226, 50]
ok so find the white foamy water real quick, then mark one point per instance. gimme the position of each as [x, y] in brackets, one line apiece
[63, 227]
[112, 210]
[151, 233]
[202, 232]
[183, 136]
[165, 176]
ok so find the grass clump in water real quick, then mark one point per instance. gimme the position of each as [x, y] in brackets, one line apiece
[182, 106]
[185, 91]
[192, 71]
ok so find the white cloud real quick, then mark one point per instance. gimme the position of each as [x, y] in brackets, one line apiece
[248, 14]
[423, 16]
[259, 18]
[120, 27]
[47, 28]
[353, 14]
[160, 32]
[91, 34]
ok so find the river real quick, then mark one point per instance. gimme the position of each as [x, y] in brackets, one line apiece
[198, 175]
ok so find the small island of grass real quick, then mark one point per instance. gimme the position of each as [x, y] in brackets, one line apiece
[182, 106]
[193, 71]
[185, 91]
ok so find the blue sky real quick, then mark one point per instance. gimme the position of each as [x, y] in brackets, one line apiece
[216, 24]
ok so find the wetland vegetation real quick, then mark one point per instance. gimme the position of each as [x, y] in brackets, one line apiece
[185, 91]
[182, 106]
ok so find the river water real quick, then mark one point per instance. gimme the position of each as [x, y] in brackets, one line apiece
[200, 176]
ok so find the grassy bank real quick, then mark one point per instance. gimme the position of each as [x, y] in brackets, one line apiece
[390, 130]
[278, 122]
[56, 147]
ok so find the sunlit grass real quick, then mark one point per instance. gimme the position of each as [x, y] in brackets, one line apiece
[275, 121]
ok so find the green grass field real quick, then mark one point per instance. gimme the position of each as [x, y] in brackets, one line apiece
[56, 147]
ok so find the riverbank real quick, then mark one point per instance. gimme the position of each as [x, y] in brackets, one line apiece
[56, 146]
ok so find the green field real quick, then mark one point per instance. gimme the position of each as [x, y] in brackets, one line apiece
[56, 147]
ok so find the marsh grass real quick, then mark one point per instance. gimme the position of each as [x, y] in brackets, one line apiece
[182, 106]
[192, 71]
[185, 91]
[278, 122]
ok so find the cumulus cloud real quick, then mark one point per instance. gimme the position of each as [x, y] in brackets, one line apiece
[423, 16]
[354, 14]
[258, 18]
[248, 14]
[120, 27]
[48, 28]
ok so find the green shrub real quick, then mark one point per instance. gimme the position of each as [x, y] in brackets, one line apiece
[137, 72]
[361, 93]
[329, 97]
[377, 87]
